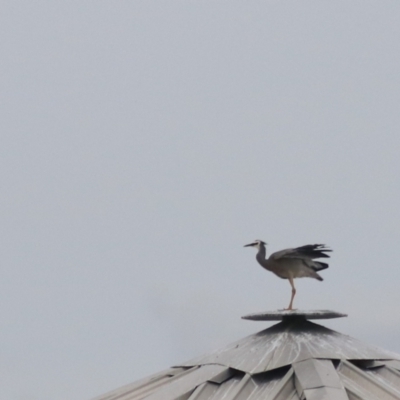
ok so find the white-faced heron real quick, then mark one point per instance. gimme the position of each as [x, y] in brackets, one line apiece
[293, 263]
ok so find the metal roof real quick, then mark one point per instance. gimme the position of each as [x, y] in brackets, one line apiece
[294, 359]
[289, 342]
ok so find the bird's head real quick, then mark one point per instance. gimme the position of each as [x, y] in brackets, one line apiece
[257, 244]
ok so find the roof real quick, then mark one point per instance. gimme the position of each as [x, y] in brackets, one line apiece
[294, 359]
[289, 342]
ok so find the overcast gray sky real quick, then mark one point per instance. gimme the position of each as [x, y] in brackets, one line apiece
[143, 143]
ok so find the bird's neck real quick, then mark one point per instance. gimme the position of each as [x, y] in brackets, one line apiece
[261, 254]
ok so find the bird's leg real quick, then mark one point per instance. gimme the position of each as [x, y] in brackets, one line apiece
[293, 293]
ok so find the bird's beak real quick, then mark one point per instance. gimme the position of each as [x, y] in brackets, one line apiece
[249, 245]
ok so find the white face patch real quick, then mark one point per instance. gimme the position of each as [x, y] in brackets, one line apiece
[258, 244]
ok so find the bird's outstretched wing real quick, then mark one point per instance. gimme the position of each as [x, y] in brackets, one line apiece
[310, 252]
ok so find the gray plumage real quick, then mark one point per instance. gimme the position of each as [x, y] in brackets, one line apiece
[293, 263]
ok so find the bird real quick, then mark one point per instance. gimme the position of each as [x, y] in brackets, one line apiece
[293, 263]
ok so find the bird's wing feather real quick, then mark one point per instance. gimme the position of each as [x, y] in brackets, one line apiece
[281, 254]
[309, 251]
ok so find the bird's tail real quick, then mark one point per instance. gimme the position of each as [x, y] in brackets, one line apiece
[319, 277]
[319, 266]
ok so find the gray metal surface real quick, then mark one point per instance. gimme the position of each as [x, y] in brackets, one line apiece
[318, 379]
[307, 380]
[289, 342]
[184, 386]
[280, 315]
[293, 360]
[362, 384]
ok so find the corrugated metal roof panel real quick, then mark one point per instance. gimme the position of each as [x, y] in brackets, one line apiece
[243, 390]
[186, 384]
[267, 383]
[228, 387]
[285, 388]
[394, 364]
[364, 384]
[293, 360]
[289, 342]
[386, 376]
[311, 374]
[325, 393]
[204, 392]
[146, 385]
[318, 380]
